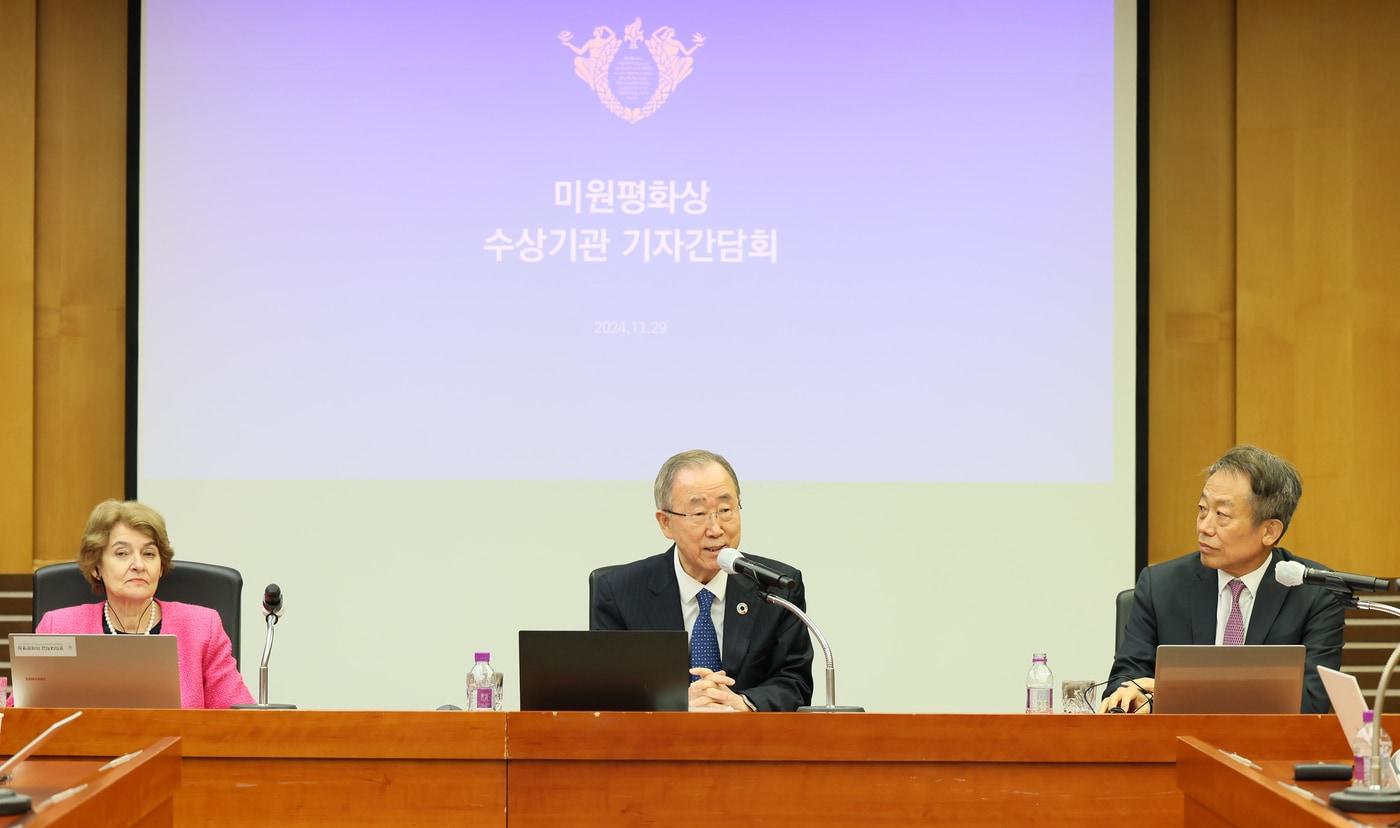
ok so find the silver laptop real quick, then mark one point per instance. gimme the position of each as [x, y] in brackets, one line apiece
[94, 670]
[1254, 678]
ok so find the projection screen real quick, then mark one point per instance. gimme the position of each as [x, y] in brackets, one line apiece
[428, 290]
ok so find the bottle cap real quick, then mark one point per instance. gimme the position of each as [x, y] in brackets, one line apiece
[483, 656]
[1037, 656]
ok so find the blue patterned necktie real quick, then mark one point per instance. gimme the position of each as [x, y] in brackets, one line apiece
[704, 644]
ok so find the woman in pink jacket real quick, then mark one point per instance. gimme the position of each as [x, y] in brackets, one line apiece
[125, 551]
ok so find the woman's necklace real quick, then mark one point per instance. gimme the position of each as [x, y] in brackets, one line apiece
[107, 616]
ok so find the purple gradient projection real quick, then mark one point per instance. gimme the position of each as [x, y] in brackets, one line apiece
[319, 179]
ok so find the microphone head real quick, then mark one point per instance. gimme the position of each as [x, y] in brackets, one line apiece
[727, 557]
[272, 599]
[1289, 573]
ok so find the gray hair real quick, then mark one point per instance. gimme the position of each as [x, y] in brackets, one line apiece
[1273, 482]
[687, 460]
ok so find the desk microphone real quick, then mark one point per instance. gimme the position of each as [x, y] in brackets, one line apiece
[272, 612]
[734, 562]
[272, 601]
[1292, 573]
[1378, 795]
[18, 803]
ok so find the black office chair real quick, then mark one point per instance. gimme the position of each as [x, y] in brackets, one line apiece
[1124, 608]
[593, 579]
[209, 585]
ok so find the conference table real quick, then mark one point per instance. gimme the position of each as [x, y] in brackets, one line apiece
[131, 788]
[1225, 789]
[308, 767]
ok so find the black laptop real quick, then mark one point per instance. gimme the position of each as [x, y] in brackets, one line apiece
[604, 670]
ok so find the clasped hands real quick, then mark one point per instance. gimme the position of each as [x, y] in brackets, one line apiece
[711, 692]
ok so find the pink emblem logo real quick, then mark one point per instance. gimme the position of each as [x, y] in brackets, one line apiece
[633, 84]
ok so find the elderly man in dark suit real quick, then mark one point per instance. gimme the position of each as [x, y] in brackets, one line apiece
[1226, 592]
[746, 654]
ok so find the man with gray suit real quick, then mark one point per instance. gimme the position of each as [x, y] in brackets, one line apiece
[746, 654]
[1225, 592]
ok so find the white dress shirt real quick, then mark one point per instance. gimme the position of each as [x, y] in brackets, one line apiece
[1251, 588]
[690, 606]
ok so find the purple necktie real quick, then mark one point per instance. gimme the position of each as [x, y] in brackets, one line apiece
[1234, 625]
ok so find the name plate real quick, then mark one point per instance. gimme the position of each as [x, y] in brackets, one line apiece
[61, 646]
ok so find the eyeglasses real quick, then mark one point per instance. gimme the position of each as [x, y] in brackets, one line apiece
[725, 515]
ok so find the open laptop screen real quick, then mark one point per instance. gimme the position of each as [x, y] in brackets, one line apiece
[604, 670]
[95, 670]
[1254, 678]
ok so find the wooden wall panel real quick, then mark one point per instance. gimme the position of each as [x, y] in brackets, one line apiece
[1318, 357]
[80, 250]
[1191, 386]
[17, 93]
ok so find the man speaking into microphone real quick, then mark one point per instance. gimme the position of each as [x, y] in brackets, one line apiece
[1226, 592]
[745, 653]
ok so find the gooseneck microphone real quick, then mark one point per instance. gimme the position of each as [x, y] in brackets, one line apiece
[272, 612]
[1292, 573]
[734, 562]
[1376, 795]
[272, 601]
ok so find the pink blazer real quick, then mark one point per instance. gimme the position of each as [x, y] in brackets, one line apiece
[208, 675]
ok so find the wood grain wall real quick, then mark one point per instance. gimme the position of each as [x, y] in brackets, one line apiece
[1275, 220]
[62, 269]
[1275, 234]
[1318, 355]
[80, 258]
[18, 23]
[1191, 264]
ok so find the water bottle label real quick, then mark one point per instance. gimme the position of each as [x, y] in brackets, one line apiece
[1039, 699]
[485, 698]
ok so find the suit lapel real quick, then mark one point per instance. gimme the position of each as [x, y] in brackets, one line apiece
[1205, 597]
[738, 629]
[1267, 604]
[665, 607]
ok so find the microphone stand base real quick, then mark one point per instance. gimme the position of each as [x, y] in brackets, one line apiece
[1365, 801]
[13, 803]
[263, 707]
[834, 708]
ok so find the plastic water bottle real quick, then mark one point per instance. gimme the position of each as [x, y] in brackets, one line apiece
[1040, 686]
[1361, 746]
[482, 687]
